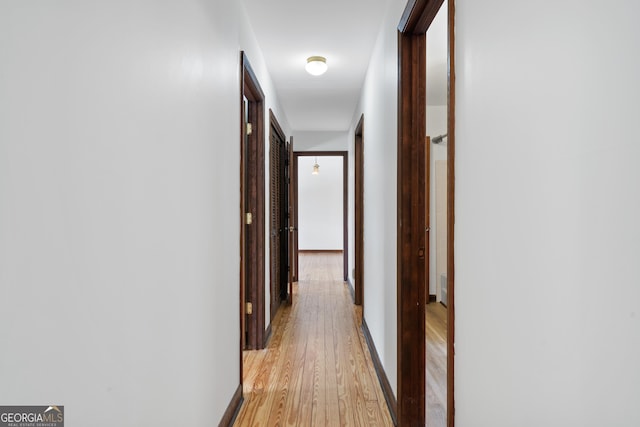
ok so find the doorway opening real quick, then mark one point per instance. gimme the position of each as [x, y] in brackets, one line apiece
[359, 214]
[252, 211]
[413, 190]
[317, 232]
[436, 194]
[280, 217]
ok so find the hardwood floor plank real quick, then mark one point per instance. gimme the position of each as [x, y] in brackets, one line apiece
[332, 408]
[285, 409]
[259, 392]
[436, 365]
[319, 395]
[305, 414]
[316, 370]
[374, 415]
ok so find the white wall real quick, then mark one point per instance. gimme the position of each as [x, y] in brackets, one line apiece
[436, 125]
[379, 103]
[320, 199]
[437, 54]
[437, 57]
[547, 206]
[333, 141]
[321, 140]
[119, 266]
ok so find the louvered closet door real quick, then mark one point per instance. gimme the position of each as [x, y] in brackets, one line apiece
[275, 222]
[283, 174]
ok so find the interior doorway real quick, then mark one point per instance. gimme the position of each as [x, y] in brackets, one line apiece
[252, 210]
[279, 216]
[315, 158]
[359, 214]
[436, 171]
[413, 230]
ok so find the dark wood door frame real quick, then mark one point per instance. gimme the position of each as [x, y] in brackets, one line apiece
[293, 225]
[345, 201]
[252, 232]
[451, 168]
[358, 289]
[411, 230]
[279, 213]
[427, 197]
[294, 215]
[285, 295]
[412, 245]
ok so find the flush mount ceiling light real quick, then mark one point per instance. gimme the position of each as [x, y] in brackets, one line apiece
[316, 65]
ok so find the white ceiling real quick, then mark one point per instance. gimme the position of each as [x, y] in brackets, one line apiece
[343, 31]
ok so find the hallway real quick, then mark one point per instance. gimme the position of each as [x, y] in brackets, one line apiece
[317, 369]
[436, 365]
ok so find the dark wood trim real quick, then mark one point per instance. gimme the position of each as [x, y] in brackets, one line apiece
[250, 80]
[320, 153]
[321, 251]
[413, 25]
[345, 199]
[273, 121]
[382, 375]
[241, 308]
[359, 212]
[293, 226]
[418, 15]
[411, 229]
[259, 260]
[345, 216]
[451, 217]
[229, 416]
[253, 200]
[275, 130]
[294, 207]
[427, 197]
[406, 14]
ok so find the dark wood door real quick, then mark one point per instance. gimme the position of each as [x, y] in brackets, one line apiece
[252, 231]
[292, 256]
[283, 232]
[280, 213]
[245, 291]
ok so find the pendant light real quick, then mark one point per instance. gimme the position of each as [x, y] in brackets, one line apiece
[316, 168]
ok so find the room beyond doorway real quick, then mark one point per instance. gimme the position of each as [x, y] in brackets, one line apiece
[321, 203]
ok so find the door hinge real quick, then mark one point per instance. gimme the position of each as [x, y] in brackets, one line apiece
[248, 218]
[249, 128]
[248, 308]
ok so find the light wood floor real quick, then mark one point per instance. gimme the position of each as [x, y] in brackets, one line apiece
[317, 370]
[436, 365]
